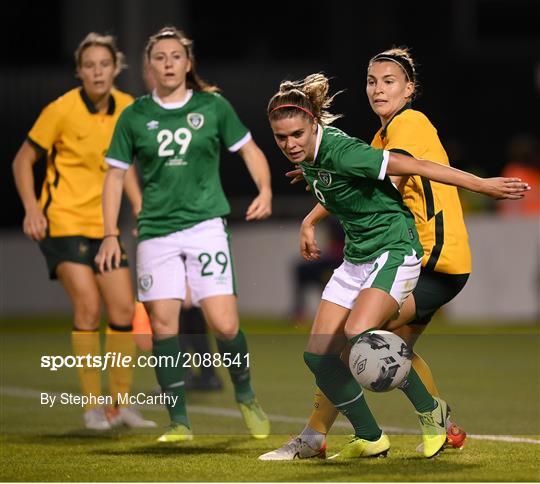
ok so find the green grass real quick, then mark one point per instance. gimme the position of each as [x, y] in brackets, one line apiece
[490, 376]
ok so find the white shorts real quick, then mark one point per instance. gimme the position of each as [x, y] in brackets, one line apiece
[199, 256]
[393, 271]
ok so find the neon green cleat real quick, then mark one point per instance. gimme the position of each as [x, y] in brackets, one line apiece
[358, 447]
[256, 420]
[176, 433]
[434, 428]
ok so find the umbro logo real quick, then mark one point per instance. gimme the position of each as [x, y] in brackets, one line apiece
[152, 125]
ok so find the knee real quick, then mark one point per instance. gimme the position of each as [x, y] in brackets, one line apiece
[86, 317]
[227, 331]
[122, 314]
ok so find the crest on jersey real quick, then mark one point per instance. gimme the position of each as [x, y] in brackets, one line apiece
[325, 178]
[145, 282]
[195, 120]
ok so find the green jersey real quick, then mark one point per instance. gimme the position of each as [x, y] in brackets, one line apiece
[177, 147]
[349, 178]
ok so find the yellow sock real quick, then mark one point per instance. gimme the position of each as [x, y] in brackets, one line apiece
[87, 343]
[120, 378]
[425, 374]
[323, 415]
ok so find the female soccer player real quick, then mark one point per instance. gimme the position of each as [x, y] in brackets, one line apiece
[74, 132]
[175, 133]
[391, 87]
[382, 253]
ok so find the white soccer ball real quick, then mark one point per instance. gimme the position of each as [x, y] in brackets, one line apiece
[380, 360]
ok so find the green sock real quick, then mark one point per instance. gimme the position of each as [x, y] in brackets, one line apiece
[339, 386]
[171, 378]
[417, 393]
[239, 369]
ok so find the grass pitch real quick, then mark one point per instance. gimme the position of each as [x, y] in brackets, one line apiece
[491, 377]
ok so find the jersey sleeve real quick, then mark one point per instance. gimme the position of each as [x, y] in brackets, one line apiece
[357, 159]
[232, 132]
[120, 153]
[47, 127]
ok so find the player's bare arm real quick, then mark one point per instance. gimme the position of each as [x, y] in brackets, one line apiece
[497, 187]
[257, 165]
[34, 223]
[309, 249]
[109, 254]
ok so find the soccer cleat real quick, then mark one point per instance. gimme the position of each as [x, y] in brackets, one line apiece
[176, 433]
[255, 419]
[358, 447]
[96, 419]
[433, 425]
[296, 448]
[131, 417]
[455, 436]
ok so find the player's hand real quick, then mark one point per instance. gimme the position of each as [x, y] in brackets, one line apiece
[261, 206]
[109, 255]
[35, 224]
[501, 188]
[309, 249]
[297, 177]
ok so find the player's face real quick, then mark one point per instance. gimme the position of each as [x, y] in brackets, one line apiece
[169, 64]
[296, 137]
[97, 71]
[387, 89]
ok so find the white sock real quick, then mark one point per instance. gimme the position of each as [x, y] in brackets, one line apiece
[312, 437]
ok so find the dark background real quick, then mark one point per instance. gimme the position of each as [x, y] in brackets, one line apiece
[478, 64]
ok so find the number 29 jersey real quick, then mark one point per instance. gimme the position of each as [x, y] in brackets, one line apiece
[178, 150]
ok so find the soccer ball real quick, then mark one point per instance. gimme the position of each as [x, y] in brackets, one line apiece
[380, 360]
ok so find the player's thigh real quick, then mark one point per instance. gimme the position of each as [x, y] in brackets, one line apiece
[209, 264]
[327, 336]
[161, 272]
[221, 315]
[407, 313]
[79, 282]
[117, 293]
[392, 279]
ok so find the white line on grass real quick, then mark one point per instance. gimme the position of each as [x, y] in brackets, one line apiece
[230, 413]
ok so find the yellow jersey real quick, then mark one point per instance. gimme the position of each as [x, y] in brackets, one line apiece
[436, 207]
[75, 138]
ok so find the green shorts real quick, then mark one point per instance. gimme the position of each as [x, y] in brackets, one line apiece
[81, 250]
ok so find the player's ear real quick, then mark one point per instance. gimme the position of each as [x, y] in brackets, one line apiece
[409, 89]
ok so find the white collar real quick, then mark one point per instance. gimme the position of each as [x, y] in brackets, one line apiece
[174, 105]
[317, 143]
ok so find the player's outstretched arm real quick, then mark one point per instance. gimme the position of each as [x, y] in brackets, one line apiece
[257, 165]
[109, 254]
[497, 188]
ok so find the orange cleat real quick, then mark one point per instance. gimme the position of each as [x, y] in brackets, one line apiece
[455, 437]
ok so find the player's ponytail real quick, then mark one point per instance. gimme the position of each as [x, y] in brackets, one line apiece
[308, 97]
